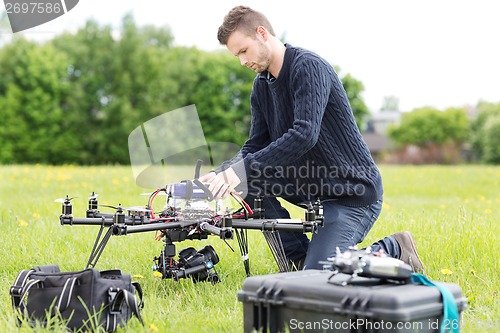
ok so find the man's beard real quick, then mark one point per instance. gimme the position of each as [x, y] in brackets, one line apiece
[263, 60]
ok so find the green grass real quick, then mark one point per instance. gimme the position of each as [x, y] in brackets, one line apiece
[452, 211]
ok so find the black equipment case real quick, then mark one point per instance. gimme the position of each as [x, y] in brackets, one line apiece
[308, 301]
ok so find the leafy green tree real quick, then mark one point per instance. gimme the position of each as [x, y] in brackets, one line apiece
[117, 84]
[492, 141]
[456, 125]
[430, 126]
[33, 87]
[222, 96]
[485, 134]
[354, 89]
[134, 93]
[91, 61]
[12, 126]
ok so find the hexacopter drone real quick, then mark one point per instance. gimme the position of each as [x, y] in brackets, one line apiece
[188, 215]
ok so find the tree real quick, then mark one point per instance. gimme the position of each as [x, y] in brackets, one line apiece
[492, 141]
[485, 132]
[90, 73]
[430, 126]
[33, 87]
[222, 96]
[354, 88]
[117, 84]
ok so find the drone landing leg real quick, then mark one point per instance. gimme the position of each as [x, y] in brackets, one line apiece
[241, 235]
[276, 246]
[99, 245]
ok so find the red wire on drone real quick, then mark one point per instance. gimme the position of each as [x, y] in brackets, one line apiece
[242, 202]
[150, 202]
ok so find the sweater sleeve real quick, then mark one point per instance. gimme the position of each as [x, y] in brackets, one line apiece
[309, 90]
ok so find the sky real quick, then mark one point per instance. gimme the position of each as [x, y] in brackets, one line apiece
[439, 53]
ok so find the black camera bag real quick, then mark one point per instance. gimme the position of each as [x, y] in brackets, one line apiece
[84, 299]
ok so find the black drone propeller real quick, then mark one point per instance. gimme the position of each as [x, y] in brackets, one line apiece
[93, 196]
[118, 208]
[67, 199]
[137, 209]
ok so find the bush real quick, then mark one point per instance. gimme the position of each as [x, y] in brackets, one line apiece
[427, 126]
[491, 139]
[486, 133]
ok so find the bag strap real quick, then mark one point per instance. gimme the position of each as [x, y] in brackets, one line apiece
[47, 268]
[66, 293]
[119, 296]
[22, 306]
[138, 289]
[451, 318]
[63, 300]
[16, 291]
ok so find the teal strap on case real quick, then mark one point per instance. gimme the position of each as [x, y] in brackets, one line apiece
[451, 318]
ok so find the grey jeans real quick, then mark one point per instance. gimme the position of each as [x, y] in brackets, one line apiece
[343, 227]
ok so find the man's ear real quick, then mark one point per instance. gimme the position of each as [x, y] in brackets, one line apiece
[262, 33]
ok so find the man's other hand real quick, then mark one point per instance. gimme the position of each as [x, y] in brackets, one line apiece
[206, 178]
[222, 183]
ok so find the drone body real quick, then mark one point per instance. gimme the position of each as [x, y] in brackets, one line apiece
[187, 215]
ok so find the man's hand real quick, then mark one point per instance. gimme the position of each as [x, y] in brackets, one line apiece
[206, 178]
[221, 184]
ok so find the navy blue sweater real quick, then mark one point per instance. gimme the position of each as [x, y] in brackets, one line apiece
[303, 129]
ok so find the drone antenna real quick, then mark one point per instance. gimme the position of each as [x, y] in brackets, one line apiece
[205, 189]
[197, 169]
[189, 189]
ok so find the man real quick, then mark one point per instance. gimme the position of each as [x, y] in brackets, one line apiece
[304, 145]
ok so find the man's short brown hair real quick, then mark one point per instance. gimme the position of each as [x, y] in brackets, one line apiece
[243, 19]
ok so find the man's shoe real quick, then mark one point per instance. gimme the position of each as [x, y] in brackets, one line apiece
[409, 251]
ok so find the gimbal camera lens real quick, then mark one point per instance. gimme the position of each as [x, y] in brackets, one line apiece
[209, 253]
[189, 257]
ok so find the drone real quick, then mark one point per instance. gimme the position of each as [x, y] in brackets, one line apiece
[188, 214]
[367, 263]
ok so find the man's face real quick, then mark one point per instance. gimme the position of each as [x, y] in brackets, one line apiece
[253, 51]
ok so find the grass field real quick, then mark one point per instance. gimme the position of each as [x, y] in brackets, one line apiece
[453, 211]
